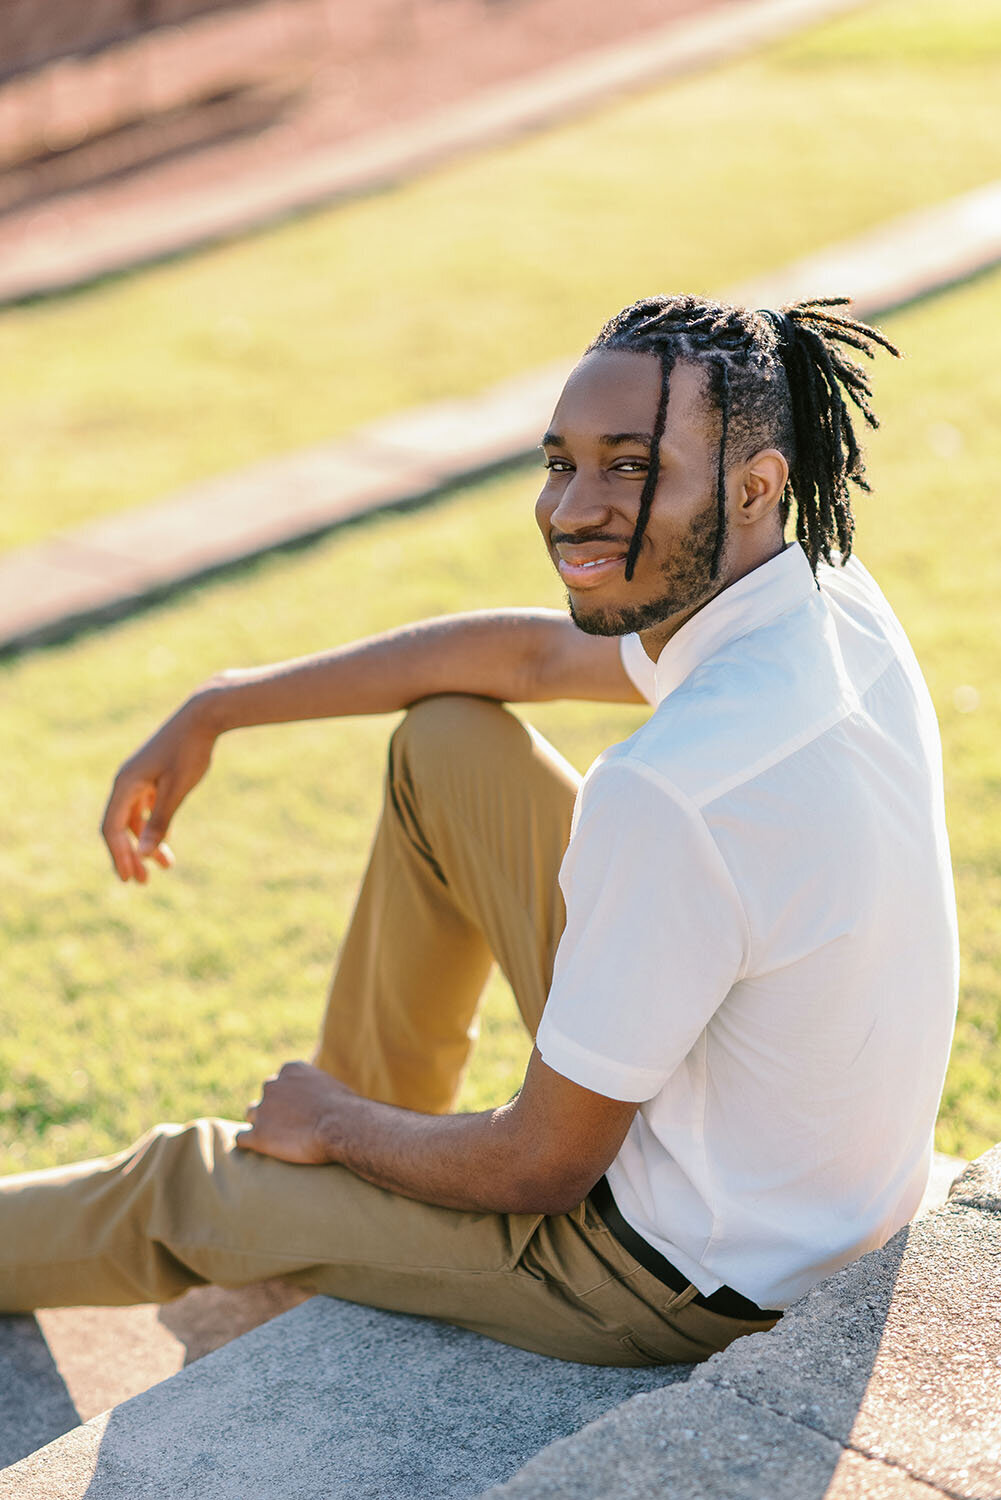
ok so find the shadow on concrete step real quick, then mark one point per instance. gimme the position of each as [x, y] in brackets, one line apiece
[881, 1382]
[208, 1317]
[334, 1401]
[35, 1406]
[337, 1402]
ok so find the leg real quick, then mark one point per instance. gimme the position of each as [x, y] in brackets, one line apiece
[185, 1207]
[463, 870]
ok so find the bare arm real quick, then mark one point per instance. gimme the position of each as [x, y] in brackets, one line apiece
[512, 655]
[542, 1153]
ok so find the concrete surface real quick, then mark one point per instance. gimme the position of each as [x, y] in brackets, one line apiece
[944, 1171]
[105, 1355]
[922, 1320]
[69, 1364]
[35, 1405]
[76, 1362]
[707, 1445]
[331, 1400]
[884, 1381]
[896, 261]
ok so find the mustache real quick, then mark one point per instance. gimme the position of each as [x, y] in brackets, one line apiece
[572, 538]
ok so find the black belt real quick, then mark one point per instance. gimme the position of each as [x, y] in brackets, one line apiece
[726, 1301]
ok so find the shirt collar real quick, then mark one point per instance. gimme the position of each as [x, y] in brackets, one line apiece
[774, 588]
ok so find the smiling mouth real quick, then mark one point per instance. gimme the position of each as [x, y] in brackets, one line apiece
[589, 573]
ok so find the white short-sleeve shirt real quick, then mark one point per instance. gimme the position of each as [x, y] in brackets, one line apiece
[761, 937]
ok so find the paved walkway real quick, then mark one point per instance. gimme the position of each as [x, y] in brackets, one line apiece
[103, 570]
[280, 143]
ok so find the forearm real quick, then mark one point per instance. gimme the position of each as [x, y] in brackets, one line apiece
[541, 1153]
[494, 654]
[470, 1162]
[517, 655]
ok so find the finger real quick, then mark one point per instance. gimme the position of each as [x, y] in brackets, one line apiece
[164, 857]
[139, 871]
[120, 846]
[250, 1113]
[156, 825]
[245, 1140]
[119, 818]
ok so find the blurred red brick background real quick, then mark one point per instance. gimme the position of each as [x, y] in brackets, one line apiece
[91, 93]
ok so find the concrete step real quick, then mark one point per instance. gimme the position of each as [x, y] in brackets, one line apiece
[944, 1171]
[75, 1363]
[69, 1364]
[883, 1383]
[328, 1401]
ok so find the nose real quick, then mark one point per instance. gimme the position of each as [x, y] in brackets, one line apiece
[580, 505]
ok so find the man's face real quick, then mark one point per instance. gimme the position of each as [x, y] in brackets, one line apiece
[598, 453]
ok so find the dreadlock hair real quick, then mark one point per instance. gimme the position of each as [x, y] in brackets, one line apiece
[779, 380]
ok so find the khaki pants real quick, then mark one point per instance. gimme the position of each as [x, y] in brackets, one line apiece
[463, 870]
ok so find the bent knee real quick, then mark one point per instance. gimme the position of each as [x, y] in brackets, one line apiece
[450, 724]
[455, 739]
[167, 1148]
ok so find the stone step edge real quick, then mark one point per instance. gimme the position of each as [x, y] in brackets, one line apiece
[104, 570]
[945, 1171]
[384, 158]
[329, 1400]
[899, 1329]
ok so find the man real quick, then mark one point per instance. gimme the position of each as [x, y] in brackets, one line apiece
[749, 996]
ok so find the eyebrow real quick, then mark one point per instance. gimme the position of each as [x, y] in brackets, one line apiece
[607, 439]
[617, 439]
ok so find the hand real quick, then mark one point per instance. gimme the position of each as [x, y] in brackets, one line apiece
[295, 1119]
[150, 787]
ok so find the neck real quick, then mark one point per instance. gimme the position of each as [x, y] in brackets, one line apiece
[657, 636]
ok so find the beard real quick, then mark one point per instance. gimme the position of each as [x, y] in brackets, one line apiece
[685, 585]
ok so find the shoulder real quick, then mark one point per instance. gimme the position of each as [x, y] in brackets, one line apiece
[735, 717]
[638, 839]
[852, 583]
[765, 695]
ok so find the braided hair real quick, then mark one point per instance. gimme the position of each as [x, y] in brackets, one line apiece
[778, 380]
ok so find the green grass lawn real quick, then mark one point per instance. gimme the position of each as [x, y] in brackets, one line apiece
[122, 1006]
[118, 395]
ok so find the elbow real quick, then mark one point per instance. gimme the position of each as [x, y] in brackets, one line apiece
[557, 1204]
[554, 1192]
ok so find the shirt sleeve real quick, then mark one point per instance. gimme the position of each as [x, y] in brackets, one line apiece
[655, 937]
[638, 667]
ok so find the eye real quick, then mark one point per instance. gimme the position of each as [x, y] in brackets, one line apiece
[559, 465]
[632, 466]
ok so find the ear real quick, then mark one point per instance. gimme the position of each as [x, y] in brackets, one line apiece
[762, 482]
